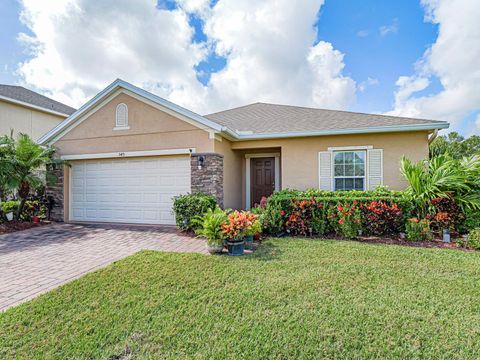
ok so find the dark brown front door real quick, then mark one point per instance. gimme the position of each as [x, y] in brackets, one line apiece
[262, 181]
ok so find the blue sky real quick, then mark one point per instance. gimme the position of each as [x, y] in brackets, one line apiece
[379, 42]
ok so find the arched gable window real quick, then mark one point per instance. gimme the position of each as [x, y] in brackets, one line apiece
[121, 116]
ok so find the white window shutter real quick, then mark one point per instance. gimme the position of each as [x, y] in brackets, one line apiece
[325, 170]
[375, 168]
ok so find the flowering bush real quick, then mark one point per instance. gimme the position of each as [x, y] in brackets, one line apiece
[380, 218]
[306, 217]
[238, 222]
[418, 230]
[345, 219]
[273, 218]
[444, 213]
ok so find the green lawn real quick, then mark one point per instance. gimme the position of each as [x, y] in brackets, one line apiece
[292, 299]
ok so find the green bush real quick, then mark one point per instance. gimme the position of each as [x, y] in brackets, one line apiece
[471, 221]
[187, 207]
[472, 240]
[418, 230]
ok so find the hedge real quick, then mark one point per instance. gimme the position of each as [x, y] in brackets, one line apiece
[382, 212]
[187, 207]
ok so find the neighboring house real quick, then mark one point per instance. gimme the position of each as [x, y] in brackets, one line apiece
[25, 111]
[131, 151]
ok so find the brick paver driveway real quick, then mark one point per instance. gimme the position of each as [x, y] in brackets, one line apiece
[37, 260]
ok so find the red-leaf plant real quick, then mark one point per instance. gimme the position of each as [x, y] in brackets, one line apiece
[237, 224]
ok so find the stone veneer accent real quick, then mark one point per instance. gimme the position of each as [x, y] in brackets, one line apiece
[55, 190]
[209, 178]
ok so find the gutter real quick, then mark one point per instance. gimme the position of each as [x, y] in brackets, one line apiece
[233, 135]
[433, 136]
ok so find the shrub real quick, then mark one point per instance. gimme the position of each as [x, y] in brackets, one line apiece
[277, 215]
[444, 213]
[345, 219]
[307, 217]
[472, 240]
[31, 208]
[418, 230]
[380, 218]
[470, 222]
[187, 207]
[273, 218]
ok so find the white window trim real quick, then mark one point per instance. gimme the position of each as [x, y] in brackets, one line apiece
[121, 127]
[248, 157]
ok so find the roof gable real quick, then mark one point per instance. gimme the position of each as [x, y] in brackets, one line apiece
[115, 88]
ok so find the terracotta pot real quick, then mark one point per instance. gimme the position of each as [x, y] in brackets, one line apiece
[35, 219]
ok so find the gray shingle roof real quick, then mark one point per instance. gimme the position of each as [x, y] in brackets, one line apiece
[261, 118]
[19, 93]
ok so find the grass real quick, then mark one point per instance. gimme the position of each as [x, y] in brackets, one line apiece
[294, 298]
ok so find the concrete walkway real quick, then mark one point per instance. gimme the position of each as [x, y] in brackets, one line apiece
[37, 260]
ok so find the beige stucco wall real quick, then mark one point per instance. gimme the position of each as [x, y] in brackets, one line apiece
[150, 129]
[153, 129]
[25, 120]
[299, 156]
[232, 174]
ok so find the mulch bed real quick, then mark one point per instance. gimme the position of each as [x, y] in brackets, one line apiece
[13, 226]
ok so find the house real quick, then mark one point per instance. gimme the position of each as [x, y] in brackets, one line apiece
[25, 111]
[131, 151]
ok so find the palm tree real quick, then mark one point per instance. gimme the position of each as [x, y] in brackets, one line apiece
[6, 152]
[27, 163]
[443, 176]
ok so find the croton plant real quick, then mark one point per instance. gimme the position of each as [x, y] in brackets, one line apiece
[238, 223]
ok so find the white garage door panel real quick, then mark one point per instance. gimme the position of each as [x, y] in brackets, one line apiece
[128, 191]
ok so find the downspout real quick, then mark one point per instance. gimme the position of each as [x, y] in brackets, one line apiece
[433, 136]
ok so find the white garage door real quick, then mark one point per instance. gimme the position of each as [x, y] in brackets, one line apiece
[137, 190]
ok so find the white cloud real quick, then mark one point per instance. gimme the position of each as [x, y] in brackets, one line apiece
[82, 45]
[453, 58]
[270, 56]
[362, 33]
[389, 29]
[79, 46]
[369, 82]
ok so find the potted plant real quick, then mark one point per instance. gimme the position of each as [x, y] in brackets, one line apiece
[210, 227]
[234, 230]
[253, 229]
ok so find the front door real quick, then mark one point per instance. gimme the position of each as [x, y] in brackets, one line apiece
[262, 179]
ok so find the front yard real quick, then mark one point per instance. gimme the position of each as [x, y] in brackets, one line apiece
[293, 298]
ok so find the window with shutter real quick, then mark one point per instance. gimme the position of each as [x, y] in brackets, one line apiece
[349, 170]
